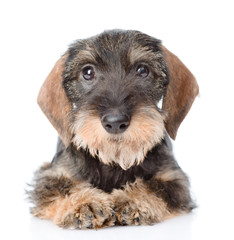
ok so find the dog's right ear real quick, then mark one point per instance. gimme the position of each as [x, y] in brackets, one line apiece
[54, 103]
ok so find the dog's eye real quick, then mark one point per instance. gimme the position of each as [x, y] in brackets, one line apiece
[88, 73]
[142, 71]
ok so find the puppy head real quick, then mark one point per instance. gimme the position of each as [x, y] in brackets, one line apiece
[102, 95]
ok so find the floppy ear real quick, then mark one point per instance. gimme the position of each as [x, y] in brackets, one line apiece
[180, 94]
[54, 103]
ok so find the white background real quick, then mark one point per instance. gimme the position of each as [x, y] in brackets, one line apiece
[33, 35]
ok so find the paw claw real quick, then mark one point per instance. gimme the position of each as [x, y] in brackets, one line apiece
[136, 221]
[124, 212]
[124, 222]
[79, 223]
[101, 213]
[90, 226]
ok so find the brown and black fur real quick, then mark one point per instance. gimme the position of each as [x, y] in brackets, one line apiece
[100, 178]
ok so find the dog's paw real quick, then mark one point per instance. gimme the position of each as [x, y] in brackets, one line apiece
[128, 214]
[89, 216]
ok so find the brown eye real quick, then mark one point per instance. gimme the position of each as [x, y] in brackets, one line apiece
[88, 73]
[142, 71]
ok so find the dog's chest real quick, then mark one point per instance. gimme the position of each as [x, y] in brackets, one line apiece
[108, 177]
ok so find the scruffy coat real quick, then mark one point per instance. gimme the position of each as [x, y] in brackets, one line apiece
[98, 178]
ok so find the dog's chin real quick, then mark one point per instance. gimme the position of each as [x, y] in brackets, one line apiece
[126, 149]
[117, 151]
[120, 153]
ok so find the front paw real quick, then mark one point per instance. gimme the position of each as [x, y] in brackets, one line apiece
[127, 213]
[89, 216]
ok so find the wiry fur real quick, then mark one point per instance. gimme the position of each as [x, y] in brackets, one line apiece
[127, 149]
[97, 178]
[72, 203]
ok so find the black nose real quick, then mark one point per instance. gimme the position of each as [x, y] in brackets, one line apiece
[115, 123]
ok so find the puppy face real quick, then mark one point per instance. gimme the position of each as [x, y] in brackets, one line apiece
[114, 82]
[102, 95]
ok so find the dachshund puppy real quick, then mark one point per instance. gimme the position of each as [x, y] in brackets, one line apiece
[114, 163]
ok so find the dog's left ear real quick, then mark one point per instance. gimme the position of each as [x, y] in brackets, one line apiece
[180, 94]
[54, 103]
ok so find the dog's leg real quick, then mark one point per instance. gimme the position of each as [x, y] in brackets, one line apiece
[164, 196]
[172, 185]
[68, 203]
